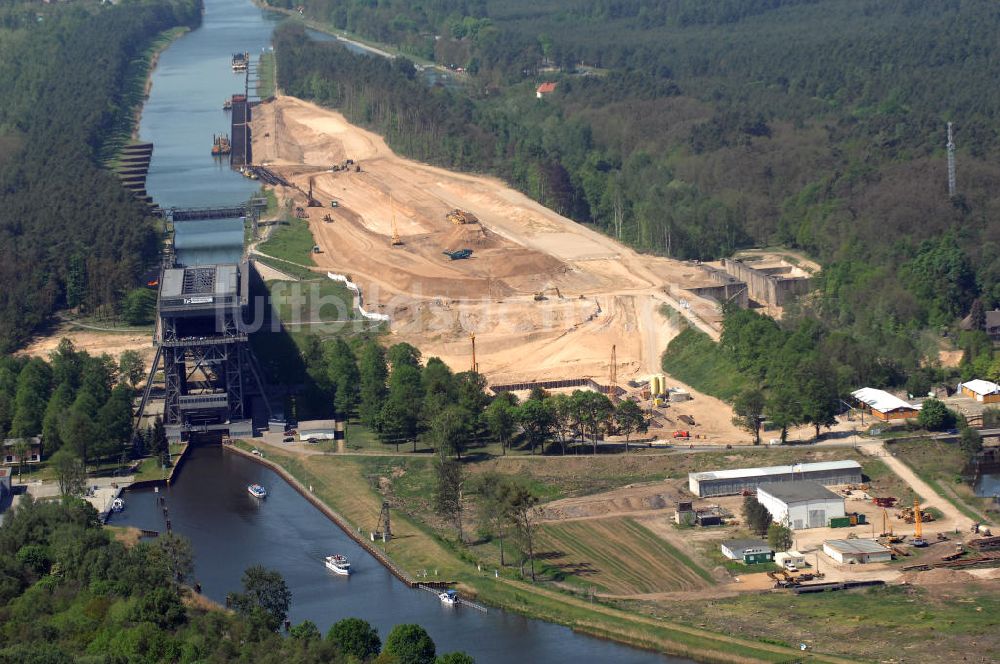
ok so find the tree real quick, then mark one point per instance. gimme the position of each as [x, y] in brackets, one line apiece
[494, 493]
[629, 419]
[756, 515]
[522, 511]
[305, 631]
[410, 644]
[783, 409]
[779, 537]
[448, 492]
[457, 657]
[594, 411]
[157, 443]
[22, 447]
[30, 399]
[69, 472]
[355, 637]
[114, 422]
[403, 354]
[970, 442]
[977, 315]
[401, 412]
[131, 367]
[176, 555]
[450, 431]
[535, 418]
[563, 418]
[139, 306]
[343, 374]
[78, 432]
[265, 597]
[935, 416]
[439, 387]
[748, 409]
[373, 376]
[501, 420]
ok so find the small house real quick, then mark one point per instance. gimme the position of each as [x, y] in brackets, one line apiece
[784, 558]
[747, 551]
[884, 406]
[33, 455]
[684, 515]
[982, 391]
[856, 551]
[545, 88]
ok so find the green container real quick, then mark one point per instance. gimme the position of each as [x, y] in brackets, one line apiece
[840, 522]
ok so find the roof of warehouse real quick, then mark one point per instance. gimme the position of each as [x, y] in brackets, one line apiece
[317, 425]
[735, 473]
[798, 491]
[980, 386]
[881, 400]
[856, 546]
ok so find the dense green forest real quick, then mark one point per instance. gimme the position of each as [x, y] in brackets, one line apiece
[693, 129]
[70, 593]
[69, 234]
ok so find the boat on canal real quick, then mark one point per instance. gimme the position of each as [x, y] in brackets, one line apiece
[338, 564]
[449, 597]
[117, 505]
[257, 491]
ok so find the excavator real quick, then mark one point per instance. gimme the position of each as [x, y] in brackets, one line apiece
[918, 526]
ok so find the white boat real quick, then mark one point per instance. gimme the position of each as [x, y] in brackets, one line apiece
[117, 505]
[338, 564]
[257, 491]
[449, 598]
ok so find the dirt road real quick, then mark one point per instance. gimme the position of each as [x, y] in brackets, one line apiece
[546, 297]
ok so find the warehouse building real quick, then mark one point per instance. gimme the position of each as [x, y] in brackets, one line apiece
[748, 551]
[800, 504]
[321, 430]
[856, 551]
[736, 481]
[883, 405]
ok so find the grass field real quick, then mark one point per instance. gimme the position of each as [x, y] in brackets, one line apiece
[292, 243]
[617, 556]
[265, 82]
[692, 357]
[940, 464]
[889, 624]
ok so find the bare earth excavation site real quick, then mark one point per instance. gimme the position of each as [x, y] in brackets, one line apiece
[545, 296]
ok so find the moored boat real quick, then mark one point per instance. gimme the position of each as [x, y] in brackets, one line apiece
[338, 564]
[117, 505]
[257, 491]
[449, 597]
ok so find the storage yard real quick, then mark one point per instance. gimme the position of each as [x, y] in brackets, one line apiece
[546, 297]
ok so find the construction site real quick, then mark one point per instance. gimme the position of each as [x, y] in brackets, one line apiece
[446, 255]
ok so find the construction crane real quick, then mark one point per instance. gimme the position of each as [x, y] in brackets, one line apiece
[396, 240]
[951, 163]
[918, 526]
[475, 365]
[312, 202]
[887, 528]
[613, 378]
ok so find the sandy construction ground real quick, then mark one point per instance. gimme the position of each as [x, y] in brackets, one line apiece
[597, 291]
[95, 342]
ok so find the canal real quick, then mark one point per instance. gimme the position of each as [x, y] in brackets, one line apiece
[209, 503]
[230, 531]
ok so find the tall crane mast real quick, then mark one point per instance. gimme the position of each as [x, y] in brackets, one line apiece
[396, 240]
[613, 378]
[951, 163]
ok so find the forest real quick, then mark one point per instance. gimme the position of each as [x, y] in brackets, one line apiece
[71, 592]
[694, 129]
[70, 235]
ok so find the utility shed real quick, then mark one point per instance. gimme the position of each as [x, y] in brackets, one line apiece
[859, 551]
[321, 430]
[748, 551]
[734, 481]
[800, 504]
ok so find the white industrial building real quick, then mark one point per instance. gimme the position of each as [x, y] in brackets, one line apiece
[321, 430]
[790, 558]
[800, 504]
[858, 551]
[735, 481]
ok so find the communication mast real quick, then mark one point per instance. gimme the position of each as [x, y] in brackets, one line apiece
[951, 163]
[475, 365]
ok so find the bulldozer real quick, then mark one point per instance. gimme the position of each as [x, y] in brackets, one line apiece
[461, 217]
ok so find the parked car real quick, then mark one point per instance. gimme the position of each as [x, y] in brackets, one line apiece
[288, 439]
